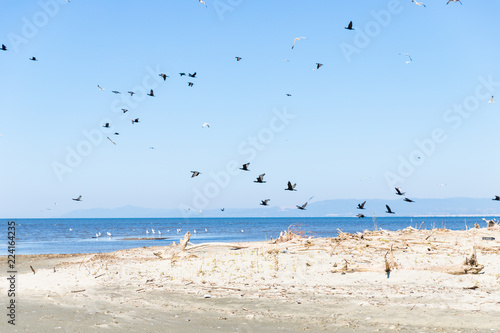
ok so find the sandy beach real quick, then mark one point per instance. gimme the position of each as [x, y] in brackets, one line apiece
[403, 281]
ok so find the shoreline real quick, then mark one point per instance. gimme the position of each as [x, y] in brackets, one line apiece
[407, 280]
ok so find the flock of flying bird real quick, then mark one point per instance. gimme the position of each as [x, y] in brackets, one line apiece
[260, 178]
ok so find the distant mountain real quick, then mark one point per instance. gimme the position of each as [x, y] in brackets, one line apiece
[339, 207]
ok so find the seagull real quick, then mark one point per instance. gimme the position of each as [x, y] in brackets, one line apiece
[361, 205]
[182, 74]
[349, 26]
[153, 231]
[295, 40]
[164, 76]
[238, 58]
[245, 167]
[418, 3]
[147, 232]
[202, 2]
[409, 57]
[398, 191]
[100, 88]
[97, 235]
[136, 120]
[111, 140]
[131, 93]
[318, 65]
[497, 198]
[389, 211]
[195, 173]
[260, 179]
[116, 92]
[264, 202]
[303, 207]
[4, 48]
[125, 110]
[290, 187]
[151, 93]
[454, 1]
[159, 232]
[206, 125]
[109, 234]
[360, 216]
[491, 100]
[192, 75]
[190, 84]
[408, 200]
[33, 59]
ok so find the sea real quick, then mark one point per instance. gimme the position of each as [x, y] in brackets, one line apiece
[65, 236]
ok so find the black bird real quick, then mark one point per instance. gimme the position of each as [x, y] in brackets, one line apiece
[398, 191]
[238, 58]
[116, 92]
[195, 173]
[361, 205]
[192, 75]
[4, 48]
[222, 209]
[497, 198]
[131, 93]
[190, 84]
[33, 59]
[290, 187]
[151, 93]
[264, 202]
[106, 125]
[245, 167]
[182, 74]
[408, 200]
[116, 133]
[78, 199]
[136, 120]
[303, 207]
[260, 179]
[349, 26]
[389, 211]
[318, 65]
[125, 110]
[289, 95]
[360, 216]
[164, 76]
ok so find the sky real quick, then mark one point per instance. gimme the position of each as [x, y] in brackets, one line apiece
[366, 121]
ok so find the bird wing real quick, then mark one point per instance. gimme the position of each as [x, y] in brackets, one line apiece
[350, 25]
[388, 208]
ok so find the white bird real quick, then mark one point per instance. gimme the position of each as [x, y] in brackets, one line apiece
[97, 235]
[491, 100]
[242, 230]
[454, 1]
[70, 229]
[418, 3]
[147, 232]
[295, 40]
[206, 230]
[206, 124]
[202, 2]
[153, 231]
[109, 234]
[194, 230]
[406, 54]
[159, 232]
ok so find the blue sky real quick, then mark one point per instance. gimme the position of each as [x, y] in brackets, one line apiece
[349, 130]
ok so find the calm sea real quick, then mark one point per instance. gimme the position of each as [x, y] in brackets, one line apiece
[43, 236]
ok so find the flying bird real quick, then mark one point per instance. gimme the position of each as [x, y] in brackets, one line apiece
[245, 167]
[202, 2]
[289, 95]
[78, 199]
[408, 200]
[409, 57]
[111, 140]
[389, 211]
[318, 65]
[497, 198]
[349, 26]
[136, 120]
[238, 58]
[206, 125]
[192, 75]
[151, 93]
[290, 187]
[454, 1]
[418, 3]
[195, 173]
[131, 93]
[398, 191]
[125, 110]
[100, 88]
[264, 202]
[222, 209]
[4, 48]
[260, 179]
[491, 100]
[116, 133]
[106, 125]
[190, 84]
[182, 74]
[360, 216]
[295, 40]
[303, 207]
[109, 234]
[33, 59]
[116, 92]
[361, 205]
[164, 76]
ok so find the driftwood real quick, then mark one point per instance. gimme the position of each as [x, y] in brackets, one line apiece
[470, 266]
[183, 242]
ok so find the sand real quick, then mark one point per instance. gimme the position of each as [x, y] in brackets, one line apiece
[352, 283]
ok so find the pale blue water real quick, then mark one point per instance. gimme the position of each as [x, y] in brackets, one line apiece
[42, 236]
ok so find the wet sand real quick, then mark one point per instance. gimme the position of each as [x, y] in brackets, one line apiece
[351, 283]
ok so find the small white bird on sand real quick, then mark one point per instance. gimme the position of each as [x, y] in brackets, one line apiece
[206, 125]
[296, 39]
